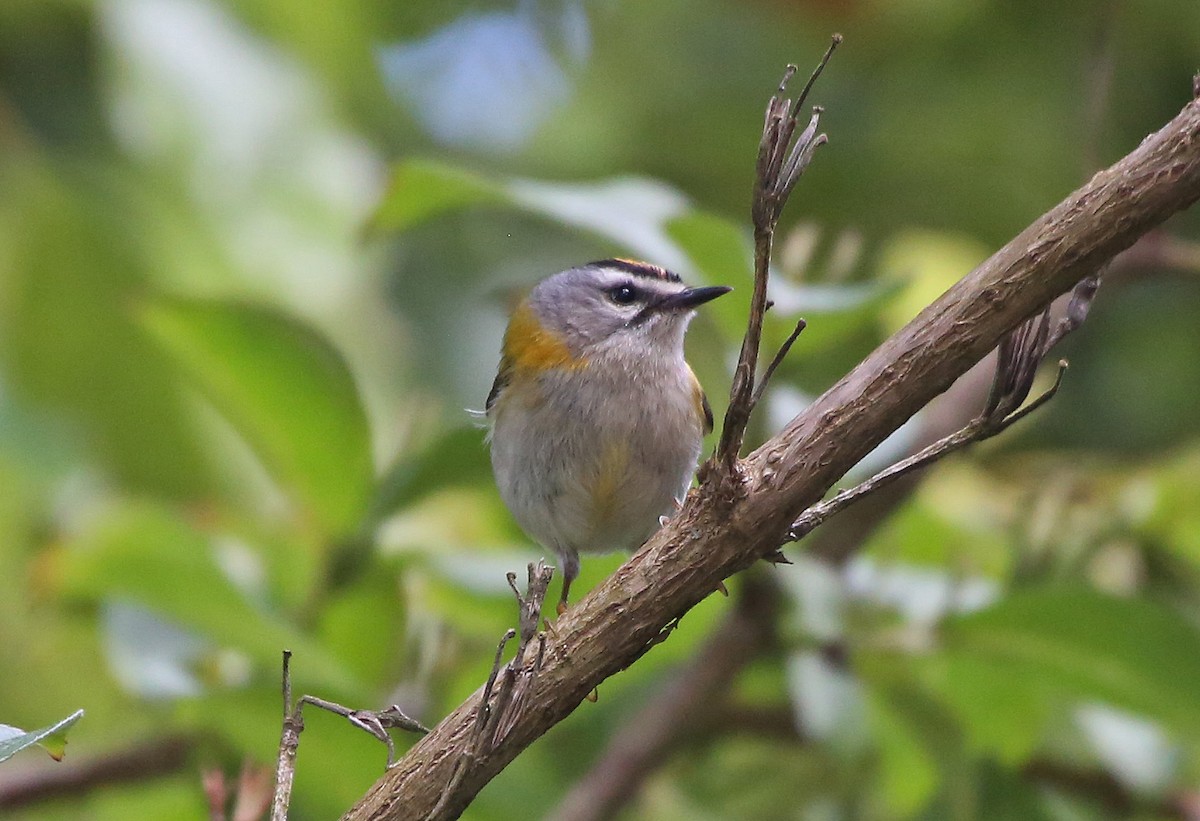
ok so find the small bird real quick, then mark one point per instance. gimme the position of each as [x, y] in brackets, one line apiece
[596, 418]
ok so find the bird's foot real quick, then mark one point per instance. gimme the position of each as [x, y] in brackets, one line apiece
[662, 520]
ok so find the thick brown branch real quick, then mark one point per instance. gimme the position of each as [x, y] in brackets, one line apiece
[644, 745]
[723, 529]
[677, 710]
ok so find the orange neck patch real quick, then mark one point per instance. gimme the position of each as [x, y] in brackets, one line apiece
[530, 347]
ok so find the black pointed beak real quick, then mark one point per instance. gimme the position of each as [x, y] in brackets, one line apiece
[692, 297]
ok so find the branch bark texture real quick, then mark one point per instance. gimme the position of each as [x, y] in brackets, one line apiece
[683, 709]
[741, 512]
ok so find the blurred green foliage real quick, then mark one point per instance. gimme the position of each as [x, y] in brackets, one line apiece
[255, 258]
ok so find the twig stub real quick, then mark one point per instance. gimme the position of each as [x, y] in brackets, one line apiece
[501, 707]
[782, 159]
[1018, 357]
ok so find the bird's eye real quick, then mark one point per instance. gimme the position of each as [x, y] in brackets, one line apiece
[623, 294]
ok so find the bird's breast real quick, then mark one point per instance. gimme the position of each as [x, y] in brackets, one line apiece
[592, 458]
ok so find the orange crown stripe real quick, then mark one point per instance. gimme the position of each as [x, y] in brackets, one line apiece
[638, 268]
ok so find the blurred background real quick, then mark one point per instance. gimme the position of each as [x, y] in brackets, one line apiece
[255, 262]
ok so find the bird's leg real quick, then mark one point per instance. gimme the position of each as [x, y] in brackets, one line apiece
[570, 562]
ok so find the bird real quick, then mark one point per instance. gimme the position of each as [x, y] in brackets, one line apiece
[596, 419]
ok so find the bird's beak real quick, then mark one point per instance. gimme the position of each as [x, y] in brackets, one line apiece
[692, 297]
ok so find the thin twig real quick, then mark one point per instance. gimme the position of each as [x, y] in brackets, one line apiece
[501, 707]
[780, 163]
[1017, 360]
[1018, 415]
[289, 742]
[977, 430]
[1018, 356]
[287, 682]
[529, 606]
[460, 770]
[482, 718]
[375, 722]
[780, 355]
[485, 710]
[834, 42]
[508, 719]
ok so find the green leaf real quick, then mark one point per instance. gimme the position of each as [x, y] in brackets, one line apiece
[146, 555]
[1174, 515]
[908, 771]
[925, 533]
[286, 390]
[921, 745]
[723, 255]
[630, 212]
[718, 247]
[363, 623]
[1006, 795]
[457, 457]
[1132, 653]
[1002, 715]
[422, 189]
[53, 738]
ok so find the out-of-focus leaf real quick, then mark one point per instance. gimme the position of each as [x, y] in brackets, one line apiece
[66, 342]
[1137, 751]
[152, 657]
[363, 624]
[1133, 653]
[722, 254]
[827, 701]
[1172, 497]
[1007, 796]
[922, 745]
[631, 212]
[145, 555]
[286, 390]
[909, 774]
[457, 457]
[928, 263]
[717, 247]
[840, 329]
[926, 533]
[1002, 715]
[53, 738]
[421, 189]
